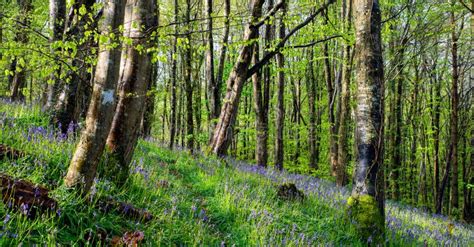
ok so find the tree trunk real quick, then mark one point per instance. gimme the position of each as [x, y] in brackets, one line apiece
[57, 17]
[261, 95]
[19, 77]
[148, 115]
[435, 123]
[135, 77]
[223, 131]
[188, 83]
[220, 69]
[83, 166]
[344, 113]
[311, 85]
[174, 57]
[213, 87]
[74, 97]
[454, 117]
[331, 102]
[367, 200]
[280, 112]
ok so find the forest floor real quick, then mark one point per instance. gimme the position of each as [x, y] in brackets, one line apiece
[194, 200]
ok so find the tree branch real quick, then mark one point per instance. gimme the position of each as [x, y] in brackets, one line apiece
[316, 42]
[270, 13]
[282, 42]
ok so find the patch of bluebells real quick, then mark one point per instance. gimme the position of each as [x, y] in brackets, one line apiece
[138, 168]
[410, 224]
[38, 133]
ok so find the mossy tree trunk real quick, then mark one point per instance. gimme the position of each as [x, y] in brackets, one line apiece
[366, 204]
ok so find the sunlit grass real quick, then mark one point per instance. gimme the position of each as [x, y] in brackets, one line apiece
[195, 200]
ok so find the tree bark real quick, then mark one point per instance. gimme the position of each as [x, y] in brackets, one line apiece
[331, 103]
[57, 18]
[367, 200]
[344, 113]
[454, 116]
[83, 166]
[280, 112]
[261, 95]
[213, 87]
[135, 77]
[311, 85]
[222, 57]
[188, 84]
[174, 57]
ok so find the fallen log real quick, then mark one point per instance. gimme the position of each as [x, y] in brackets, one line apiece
[31, 199]
[25, 196]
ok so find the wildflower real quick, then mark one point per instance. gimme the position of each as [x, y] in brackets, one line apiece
[7, 218]
[24, 208]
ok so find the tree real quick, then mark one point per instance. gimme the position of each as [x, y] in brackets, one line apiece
[57, 18]
[366, 204]
[344, 113]
[188, 84]
[75, 94]
[261, 96]
[280, 112]
[314, 115]
[135, 78]
[222, 135]
[174, 55]
[83, 166]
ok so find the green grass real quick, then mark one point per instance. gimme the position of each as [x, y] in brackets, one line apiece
[195, 200]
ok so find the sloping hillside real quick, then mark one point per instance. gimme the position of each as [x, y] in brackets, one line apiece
[194, 200]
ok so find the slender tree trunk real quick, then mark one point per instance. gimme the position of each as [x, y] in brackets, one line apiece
[57, 17]
[135, 77]
[216, 93]
[174, 56]
[344, 113]
[189, 87]
[213, 90]
[454, 117]
[311, 85]
[83, 166]
[451, 159]
[19, 77]
[367, 200]
[261, 95]
[331, 102]
[148, 115]
[2, 7]
[280, 112]
[435, 123]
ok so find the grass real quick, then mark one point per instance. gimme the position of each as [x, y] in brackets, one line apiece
[196, 200]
